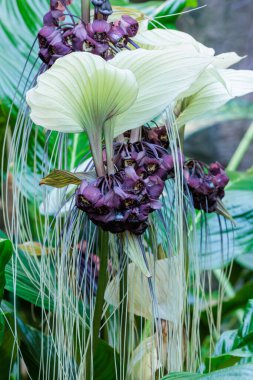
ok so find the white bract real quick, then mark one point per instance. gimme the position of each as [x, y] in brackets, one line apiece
[214, 87]
[82, 92]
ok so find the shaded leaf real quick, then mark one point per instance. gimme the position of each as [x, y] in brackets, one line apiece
[242, 372]
[5, 256]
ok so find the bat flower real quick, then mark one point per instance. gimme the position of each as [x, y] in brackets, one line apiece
[206, 184]
[82, 92]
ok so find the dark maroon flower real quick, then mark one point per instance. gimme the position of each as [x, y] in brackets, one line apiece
[117, 36]
[46, 35]
[129, 25]
[156, 135]
[52, 18]
[44, 55]
[76, 37]
[206, 184]
[57, 49]
[98, 30]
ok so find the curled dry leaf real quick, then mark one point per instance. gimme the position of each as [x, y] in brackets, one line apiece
[166, 276]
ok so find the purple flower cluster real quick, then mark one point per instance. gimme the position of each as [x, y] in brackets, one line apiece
[99, 37]
[123, 201]
[147, 159]
[120, 201]
[205, 183]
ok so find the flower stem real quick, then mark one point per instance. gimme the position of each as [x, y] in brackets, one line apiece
[124, 325]
[96, 320]
[241, 149]
[85, 11]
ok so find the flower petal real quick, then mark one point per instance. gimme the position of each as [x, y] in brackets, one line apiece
[80, 92]
[222, 61]
[161, 77]
[212, 93]
[167, 38]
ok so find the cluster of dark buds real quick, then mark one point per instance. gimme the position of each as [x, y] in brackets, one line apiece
[100, 37]
[146, 158]
[205, 183]
[122, 201]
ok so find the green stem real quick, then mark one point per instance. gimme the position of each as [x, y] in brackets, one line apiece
[241, 149]
[124, 324]
[85, 11]
[228, 288]
[96, 320]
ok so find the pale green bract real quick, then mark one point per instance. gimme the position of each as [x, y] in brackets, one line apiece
[82, 92]
[214, 87]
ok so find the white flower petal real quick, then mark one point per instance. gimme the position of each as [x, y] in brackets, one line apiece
[212, 93]
[222, 61]
[80, 92]
[167, 38]
[161, 77]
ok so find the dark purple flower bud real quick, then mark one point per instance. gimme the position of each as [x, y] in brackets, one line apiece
[44, 55]
[59, 5]
[117, 35]
[129, 25]
[98, 29]
[154, 186]
[157, 135]
[106, 8]
[46, 35]
[57, 48]
[87, 196]
[97, 3]
[52, 18]
[75, 37]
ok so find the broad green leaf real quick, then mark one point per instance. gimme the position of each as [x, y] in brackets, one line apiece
[25, 288]
[219, 250]
[234, 345]
[5, 256]
[8, 352]
[239, 372]
[161, 76]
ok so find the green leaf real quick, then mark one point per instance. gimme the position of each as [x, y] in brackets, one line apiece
[5, 256]
[169, 11]
[8, 351]
[239, 372]
[234, 345]
[237, 200]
